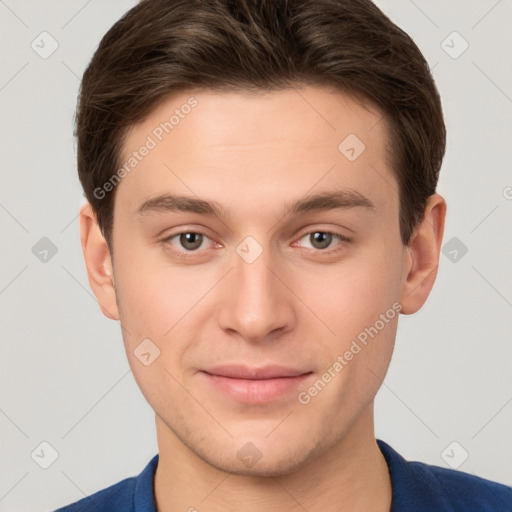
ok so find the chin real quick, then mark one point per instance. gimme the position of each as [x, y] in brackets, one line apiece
[262, 457]
[269, 466]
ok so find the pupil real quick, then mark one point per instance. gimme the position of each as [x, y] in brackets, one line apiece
[191, 240]
[321, 240]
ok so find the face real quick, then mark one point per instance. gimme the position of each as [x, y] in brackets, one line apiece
[269, 311]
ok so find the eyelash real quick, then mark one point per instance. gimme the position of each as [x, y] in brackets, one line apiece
[192, 254]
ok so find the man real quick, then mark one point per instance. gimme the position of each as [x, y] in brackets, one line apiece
[261, 178]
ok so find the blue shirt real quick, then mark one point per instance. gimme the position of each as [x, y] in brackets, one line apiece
[416, 487]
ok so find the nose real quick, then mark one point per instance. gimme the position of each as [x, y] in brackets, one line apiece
[256, 303]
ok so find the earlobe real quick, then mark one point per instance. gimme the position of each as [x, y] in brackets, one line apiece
[423, 256]
[98, 262]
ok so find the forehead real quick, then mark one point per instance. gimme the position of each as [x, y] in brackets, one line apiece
[206, 142]
[309, 114]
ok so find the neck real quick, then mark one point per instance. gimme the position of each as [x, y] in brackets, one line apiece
[350, 476]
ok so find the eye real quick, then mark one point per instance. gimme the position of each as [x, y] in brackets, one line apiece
[322, 240]
[188, 241]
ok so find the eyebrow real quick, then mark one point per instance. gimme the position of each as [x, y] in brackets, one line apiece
[339, 199]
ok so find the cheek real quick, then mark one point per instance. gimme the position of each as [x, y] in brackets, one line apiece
[164, 303]
[359, 304]
[154, 304]
[352, 295]
[152, 294]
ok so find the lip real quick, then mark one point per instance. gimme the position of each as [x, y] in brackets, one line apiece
[255, 385]
[255, 373]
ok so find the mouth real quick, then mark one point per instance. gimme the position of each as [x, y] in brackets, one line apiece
[255, 385]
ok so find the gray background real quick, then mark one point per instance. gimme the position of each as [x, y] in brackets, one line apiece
[64, 378]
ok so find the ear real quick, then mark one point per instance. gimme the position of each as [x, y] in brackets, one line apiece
[98, 262]
[423, 256]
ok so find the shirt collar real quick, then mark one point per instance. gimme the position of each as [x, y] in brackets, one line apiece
[411, 482]
[414, 486]
[144, 496]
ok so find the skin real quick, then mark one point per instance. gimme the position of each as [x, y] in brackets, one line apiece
[294, 305]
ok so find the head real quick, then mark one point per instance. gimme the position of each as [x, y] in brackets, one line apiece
[261, 179]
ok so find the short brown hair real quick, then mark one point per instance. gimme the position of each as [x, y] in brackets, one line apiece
[164, 46]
